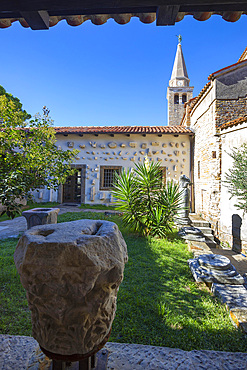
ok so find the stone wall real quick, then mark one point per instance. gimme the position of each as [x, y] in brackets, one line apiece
[176, 111]
[172, 151]
[228, 110]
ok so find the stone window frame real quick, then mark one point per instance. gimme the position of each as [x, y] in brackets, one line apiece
[103, 175]
[184, 98]
[176, 99]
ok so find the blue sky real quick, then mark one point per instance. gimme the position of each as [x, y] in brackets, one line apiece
[112, 74]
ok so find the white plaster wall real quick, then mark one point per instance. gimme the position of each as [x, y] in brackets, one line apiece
[231, 138]
[172, 152]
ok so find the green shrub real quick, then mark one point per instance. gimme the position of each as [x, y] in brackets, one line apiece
[149, 206]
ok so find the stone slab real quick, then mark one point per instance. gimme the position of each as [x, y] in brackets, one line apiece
[16, 353]
[234, 296]
[239, 318]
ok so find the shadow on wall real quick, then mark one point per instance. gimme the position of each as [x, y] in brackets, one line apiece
[236, 233]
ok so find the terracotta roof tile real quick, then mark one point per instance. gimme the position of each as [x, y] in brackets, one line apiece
[234, 122]
[123, 130]
[243, 55]
[212, 75]
[98, 19]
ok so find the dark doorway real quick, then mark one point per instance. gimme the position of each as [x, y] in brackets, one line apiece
[236, 233]
[74, 187]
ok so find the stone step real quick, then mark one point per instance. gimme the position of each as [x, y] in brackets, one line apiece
[200, 224]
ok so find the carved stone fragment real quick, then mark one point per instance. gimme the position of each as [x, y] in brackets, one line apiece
[71, 272]
[133, 144]
[155, 143]
[164, 145]
[176, 152]
[102, 146]
[142, 152]
[70, 144]
[177, 145]
[183, 144]
[172, 144]
[93, 144]
[144, 146]
[82, 146]
[123, 145]
[112, 145]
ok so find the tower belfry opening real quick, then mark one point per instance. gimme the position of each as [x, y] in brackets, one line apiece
[179, 90]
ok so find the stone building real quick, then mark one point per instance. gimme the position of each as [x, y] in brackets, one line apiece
[104, 150]
[178, 91]
[217, 117]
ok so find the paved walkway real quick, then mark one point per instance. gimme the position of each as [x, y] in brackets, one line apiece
[22, 353]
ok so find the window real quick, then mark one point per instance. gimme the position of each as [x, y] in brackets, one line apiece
[184, 98]
[107, 176]
[176, 99]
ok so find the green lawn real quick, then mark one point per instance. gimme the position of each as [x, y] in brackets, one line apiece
[158, 301]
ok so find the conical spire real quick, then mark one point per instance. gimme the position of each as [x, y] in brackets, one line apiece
[179, 67]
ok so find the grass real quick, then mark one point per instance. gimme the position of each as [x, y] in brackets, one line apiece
[31, 205]
[158, 301]
[96, 206]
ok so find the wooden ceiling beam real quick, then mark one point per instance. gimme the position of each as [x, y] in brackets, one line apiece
[36, 20]
[166, 15]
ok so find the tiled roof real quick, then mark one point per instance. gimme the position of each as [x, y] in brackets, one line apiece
[123, 130]
[212, 75]
[243, 55]
[98, 19]
[234, 122]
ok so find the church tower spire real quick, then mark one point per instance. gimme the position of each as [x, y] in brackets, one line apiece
[178, 91]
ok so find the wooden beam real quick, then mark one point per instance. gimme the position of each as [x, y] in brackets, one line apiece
[37, 20]
[166, 15]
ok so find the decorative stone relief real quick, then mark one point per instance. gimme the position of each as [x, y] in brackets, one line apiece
[114, 153]
[82, 146]
[166, 159]
[120, 153]
[102, 146]
[108, 153]
[93, 182]
[177, 145]
[149, 154]
[112, 145]
[139, 159]
[124, 158]
[163, 152]
[176, 152]
[123, 145]
[96, 169]
[169, 155]
[175, 168]
[95, 158]
[90, 159]
[144, 146]
[135, 153]
[164, 145]
[132, 159]
[184, 160]
[43, 258]
[183, 144]
[101, 195]
[77, 158]
[97, 175]
[111, 157]
[92, 193]
[128, 153]
[133, 144]
[70, 144]
[155, 143]
[172, 144]
[106, 159]
[88, 152]
[83, 157]
[182, 165]
[171, 160]
[93, 144]
[142, 152]
[155, 152]
[159, 159]
[93, 153]
[183, 152]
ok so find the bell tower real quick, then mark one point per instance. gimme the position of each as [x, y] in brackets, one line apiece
[178, 91]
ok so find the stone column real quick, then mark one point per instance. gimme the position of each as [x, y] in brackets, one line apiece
[184, 182]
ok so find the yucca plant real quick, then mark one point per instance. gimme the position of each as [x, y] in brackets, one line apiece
[149, 206]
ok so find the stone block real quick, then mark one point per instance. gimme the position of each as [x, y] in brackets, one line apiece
[40, 216]
[71, 272]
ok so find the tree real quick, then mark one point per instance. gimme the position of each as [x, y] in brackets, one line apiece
[29, 157]
[149, 206]
[236, 178]
[17, 103]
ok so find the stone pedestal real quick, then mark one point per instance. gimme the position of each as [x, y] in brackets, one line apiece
[191, 233]
[40, 216]
[214, 268]
[71, 272]
[183, 214]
